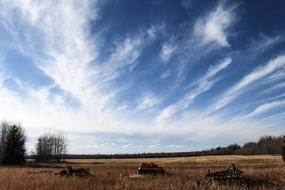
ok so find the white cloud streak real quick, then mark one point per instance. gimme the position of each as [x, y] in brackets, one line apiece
[148, 100]
[125, 55]
[166, 52]
[265, 43]
[278, 86]
[266, 107]
[254, 76]
[202, 85]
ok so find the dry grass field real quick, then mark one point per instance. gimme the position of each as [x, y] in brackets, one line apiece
[264, 172]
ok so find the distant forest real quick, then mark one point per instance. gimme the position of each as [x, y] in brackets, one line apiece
[265, 145]
[53, 148]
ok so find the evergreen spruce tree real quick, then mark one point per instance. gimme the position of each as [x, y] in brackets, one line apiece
[3, 136]
[15, 145]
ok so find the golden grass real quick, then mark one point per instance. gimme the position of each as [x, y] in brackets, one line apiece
[268, 172]
[187, 160]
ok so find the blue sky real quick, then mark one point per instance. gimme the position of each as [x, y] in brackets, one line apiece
[124, 76]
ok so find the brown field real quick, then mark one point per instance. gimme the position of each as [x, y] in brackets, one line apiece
[265, 172]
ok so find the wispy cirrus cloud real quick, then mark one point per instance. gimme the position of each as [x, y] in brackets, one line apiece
[66, 48]
[214, 27]
[266, 107]
[265, 43]
[67, 55]
[167, 51]
[277, 86]
[209, 33]
[125, 55]
[214, 70]
[148, 100]
[156, 29]
[200, 86]
[252, 77]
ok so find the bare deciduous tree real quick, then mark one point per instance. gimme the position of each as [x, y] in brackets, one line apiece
[51, 148]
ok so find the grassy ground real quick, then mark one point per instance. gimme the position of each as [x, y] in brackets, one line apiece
[264, 172]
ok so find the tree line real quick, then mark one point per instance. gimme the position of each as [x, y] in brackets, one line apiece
[53, 147]
[265, 145]
[48, 148]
